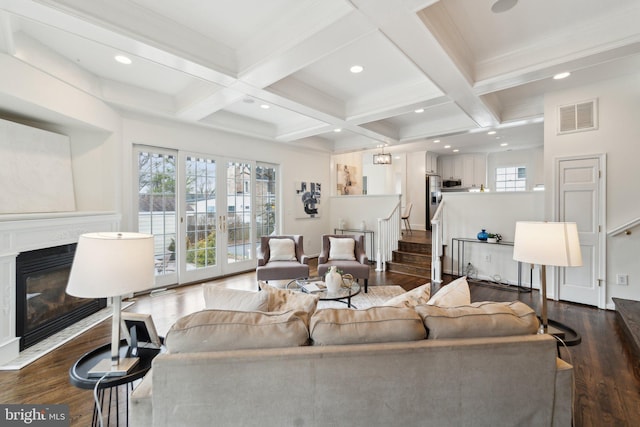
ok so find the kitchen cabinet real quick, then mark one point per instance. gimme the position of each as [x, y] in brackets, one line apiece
[471, 169]
[431, 163]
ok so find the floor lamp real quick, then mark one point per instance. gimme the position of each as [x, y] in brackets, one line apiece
[112, 265]
[547, 243]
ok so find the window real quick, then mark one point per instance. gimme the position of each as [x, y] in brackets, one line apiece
[157, 205]
[511, 179]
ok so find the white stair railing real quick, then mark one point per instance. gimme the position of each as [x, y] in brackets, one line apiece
[624, 228]
[437, 240]
[388, 236]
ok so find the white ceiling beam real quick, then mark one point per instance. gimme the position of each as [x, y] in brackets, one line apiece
[271, 68]
[382, 114]
[403, 28]
[199, 102]
[7, 43]
[180, 48]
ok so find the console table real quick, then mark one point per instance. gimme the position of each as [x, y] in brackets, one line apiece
[459, 244]
[366, 233]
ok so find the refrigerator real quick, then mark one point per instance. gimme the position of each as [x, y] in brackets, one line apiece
[434, 196]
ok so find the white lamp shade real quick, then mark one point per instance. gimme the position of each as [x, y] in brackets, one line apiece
[112, 264]
[547, 243]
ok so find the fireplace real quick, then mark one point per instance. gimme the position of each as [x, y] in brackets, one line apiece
[42, 305]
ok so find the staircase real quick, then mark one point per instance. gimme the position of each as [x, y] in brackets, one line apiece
[413, 256]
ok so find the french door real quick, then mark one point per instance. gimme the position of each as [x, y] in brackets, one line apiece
[212, 214]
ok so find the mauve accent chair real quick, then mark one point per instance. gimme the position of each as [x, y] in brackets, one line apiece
[281, 270]
[359, 268]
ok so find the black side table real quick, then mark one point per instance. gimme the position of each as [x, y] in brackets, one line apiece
[78, 376]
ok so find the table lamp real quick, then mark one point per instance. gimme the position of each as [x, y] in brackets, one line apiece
[111, 264]
[547, 243]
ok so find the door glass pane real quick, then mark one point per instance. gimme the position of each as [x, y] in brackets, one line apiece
[157, 206]
[265, 201]
[238, 211]
[200, 213]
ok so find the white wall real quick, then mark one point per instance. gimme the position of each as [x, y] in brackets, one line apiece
[92, 126]
[466, 214]
[416, 189]
[354, 210]
[532, 159]
[405, 176]
[618, 136]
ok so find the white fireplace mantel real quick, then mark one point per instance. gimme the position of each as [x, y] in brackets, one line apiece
[27, 232]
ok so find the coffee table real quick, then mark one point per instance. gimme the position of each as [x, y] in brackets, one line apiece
[344, 295]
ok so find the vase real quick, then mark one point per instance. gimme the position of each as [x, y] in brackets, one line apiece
[333, 280]
[483, 235]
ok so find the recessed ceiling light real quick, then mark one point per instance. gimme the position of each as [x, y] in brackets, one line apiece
[337, 130]
[123, 59]
[265, 106]
[419, 110]
[355, 69]
[561, 76]
[447, 146]
[456, 150]
[491, 132]
[504, 144]
[436, 141]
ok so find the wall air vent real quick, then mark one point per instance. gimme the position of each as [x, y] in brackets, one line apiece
[578, 117]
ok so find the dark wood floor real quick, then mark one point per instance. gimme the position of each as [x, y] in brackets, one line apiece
[607, 374]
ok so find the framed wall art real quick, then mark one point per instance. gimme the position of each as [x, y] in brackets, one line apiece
[308, 196]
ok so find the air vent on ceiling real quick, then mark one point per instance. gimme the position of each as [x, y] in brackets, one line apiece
[578, 117]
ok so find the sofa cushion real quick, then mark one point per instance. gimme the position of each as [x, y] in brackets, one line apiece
[480, 319]
[282, 250]
[417, 296]
[280, 300]
[451, 295]
[342, 249]
[373, 325]
[214, 330]
[219, 298]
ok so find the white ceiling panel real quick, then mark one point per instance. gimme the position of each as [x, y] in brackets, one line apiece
[384, 67]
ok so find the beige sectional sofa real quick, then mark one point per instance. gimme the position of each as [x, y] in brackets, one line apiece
[477, 365]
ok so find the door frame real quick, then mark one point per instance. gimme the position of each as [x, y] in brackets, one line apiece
[602, 222]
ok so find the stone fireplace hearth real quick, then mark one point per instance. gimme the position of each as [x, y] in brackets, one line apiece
[22, 233]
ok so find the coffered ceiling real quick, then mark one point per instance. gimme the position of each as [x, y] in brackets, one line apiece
[280, 69]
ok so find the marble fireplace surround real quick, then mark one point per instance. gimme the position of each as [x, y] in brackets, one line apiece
[26, 232]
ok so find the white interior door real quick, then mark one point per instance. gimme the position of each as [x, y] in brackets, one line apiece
[581, 200]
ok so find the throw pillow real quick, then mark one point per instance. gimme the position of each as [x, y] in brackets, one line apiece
[335, 326]
[480, 319]
[282, 250]
[216, 330]
[342, 249]
[451, 295]
[219, 298]
[417, 296]
[281, 300]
